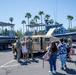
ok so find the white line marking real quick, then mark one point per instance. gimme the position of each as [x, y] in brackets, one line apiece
[10, 66]
[7, 63]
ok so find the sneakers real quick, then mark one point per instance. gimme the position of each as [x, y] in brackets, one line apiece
[53, 71]
[65, 66]
[50, 72]
[62, 68]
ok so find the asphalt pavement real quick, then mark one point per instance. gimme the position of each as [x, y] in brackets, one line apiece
[9, 65]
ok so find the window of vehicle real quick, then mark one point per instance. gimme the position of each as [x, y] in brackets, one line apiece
[47, 39]
[36, 40]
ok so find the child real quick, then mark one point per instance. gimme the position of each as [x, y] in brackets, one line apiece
[24, 51]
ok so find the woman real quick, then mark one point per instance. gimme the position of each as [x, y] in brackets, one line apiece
[62, 51]
[53, 57]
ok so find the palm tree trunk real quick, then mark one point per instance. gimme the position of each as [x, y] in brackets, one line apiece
[28, 21]
[71, 24]
[41, 19]
[41, 22]
[36, 20]
[23, 29]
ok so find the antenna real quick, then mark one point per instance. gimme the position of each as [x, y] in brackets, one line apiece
[54, 16]
[55, 11]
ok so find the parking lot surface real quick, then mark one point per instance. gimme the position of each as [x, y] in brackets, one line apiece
[9, 65]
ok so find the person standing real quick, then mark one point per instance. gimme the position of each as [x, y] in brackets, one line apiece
[62, 51]
[18, 48]
[70, 41]
[24, 51]
[29, 48]
[70, 46]
[53, 57]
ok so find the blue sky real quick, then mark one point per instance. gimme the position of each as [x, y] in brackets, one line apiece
[55, 8]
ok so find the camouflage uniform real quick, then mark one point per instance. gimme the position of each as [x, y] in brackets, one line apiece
[18, 48]
[29, 48]
[70, 42]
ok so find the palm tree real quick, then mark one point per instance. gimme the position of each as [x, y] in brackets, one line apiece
[28, 15]
[23, 22]
[70, 18]
[32, 24]
[36, 18]
[41, 13]
[11, 19]
[47, 16]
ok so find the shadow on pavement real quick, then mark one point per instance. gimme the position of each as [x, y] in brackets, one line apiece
[71, 61]
[70, 71]
[39, 55]
[59, 74]
[28, 62]
[35, 60]
[23, 63]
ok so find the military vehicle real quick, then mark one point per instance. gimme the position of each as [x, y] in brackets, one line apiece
[40, 42]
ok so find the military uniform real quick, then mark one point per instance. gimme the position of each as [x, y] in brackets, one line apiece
[29, 48]
[70, 42]
[18, 48]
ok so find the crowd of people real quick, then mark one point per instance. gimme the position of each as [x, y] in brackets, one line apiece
[61, 50]
[25, 48]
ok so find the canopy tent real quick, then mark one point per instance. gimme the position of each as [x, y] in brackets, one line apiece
[6, 24]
